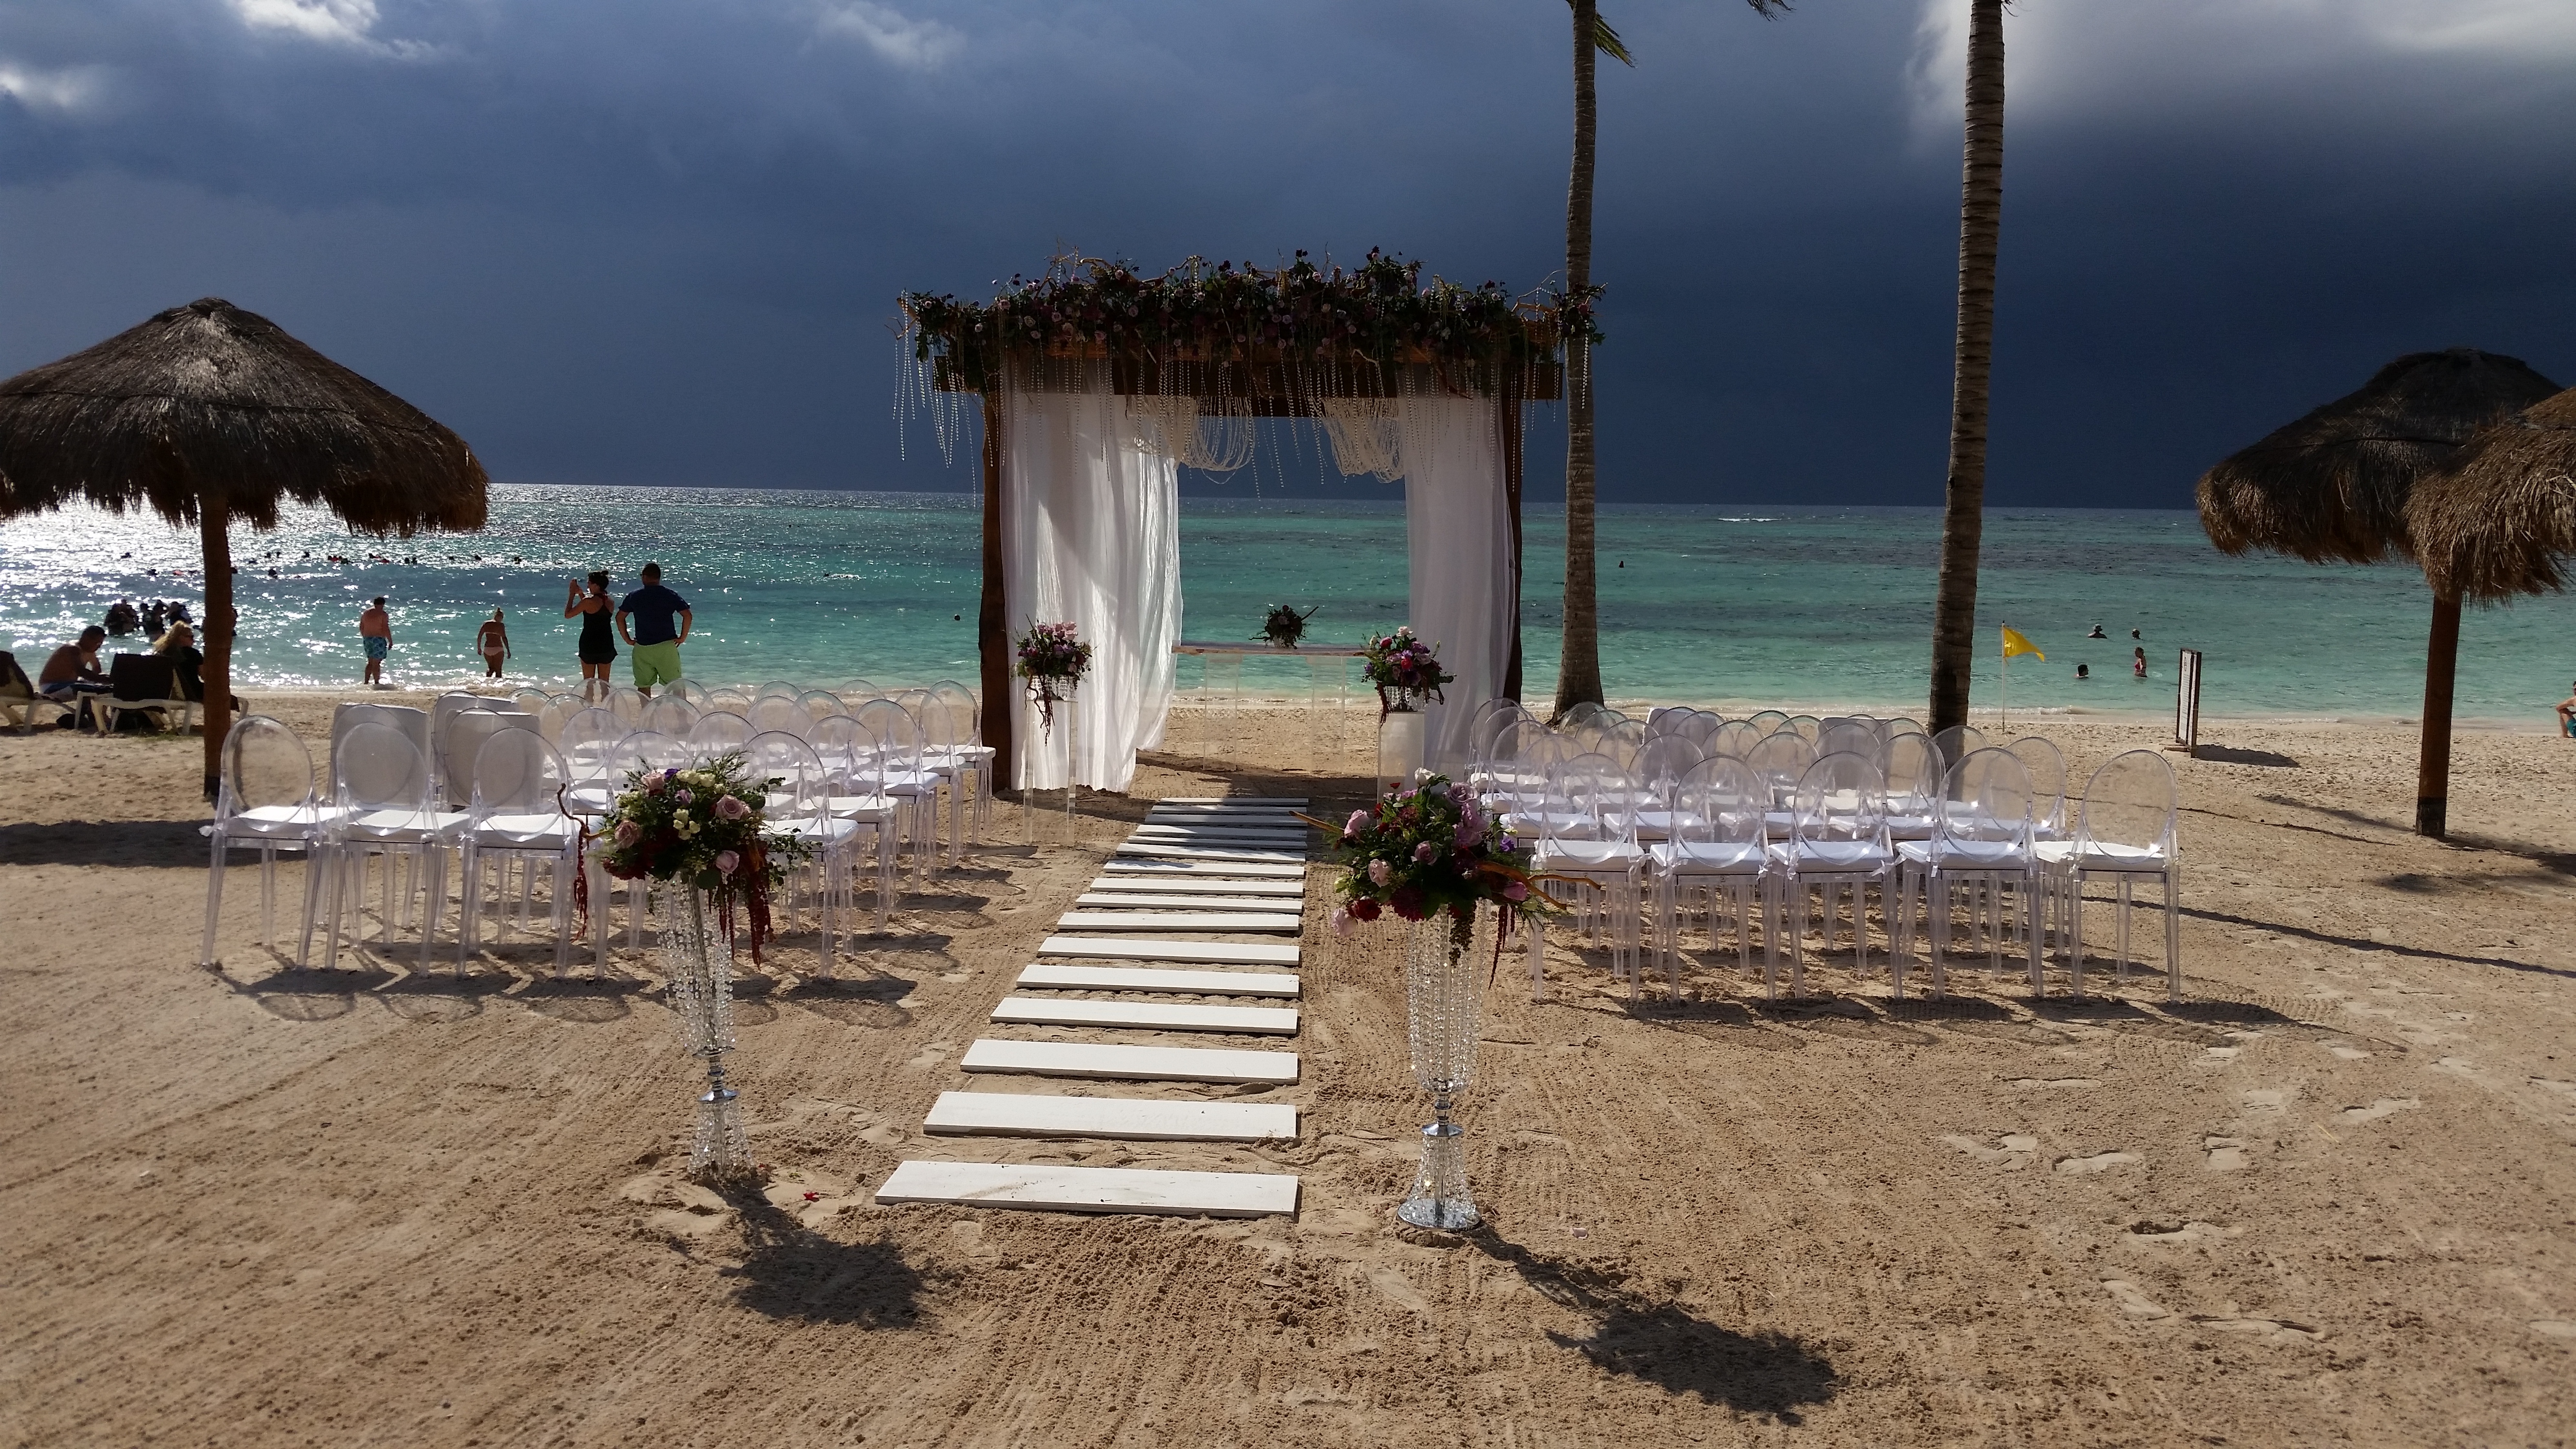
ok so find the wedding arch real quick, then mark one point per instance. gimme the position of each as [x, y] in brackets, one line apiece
[1097, 384]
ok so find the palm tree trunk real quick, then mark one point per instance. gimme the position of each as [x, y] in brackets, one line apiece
[2433, 762]
[1578, 669]
[1000, 709]
[214, 529]
[1981, 208]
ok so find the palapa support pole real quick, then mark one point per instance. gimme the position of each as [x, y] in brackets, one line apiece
[1507, 409]
[2433, 761]
[214, 528]
[993, 631]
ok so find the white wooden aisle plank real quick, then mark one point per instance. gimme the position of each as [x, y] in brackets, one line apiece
[1238, 886]
[1134, 1119]
[1196, 953]
[1178, 921]
[1210, 834]
[1155, 866]
[1048, 1187]
[1203, 815]
[1153, 978]
[1154, 851]
[1298, 801]
[1102, 1062]
[1139, 901]
[1146, 1015]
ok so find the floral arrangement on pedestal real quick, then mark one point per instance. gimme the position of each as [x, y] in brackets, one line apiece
[1427, 849]
[1431, 854]
[1053, 660]
[1405, 670]
[701, 834]
[704, 828]
[1283, 626]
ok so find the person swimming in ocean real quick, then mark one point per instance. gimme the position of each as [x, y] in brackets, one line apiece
[2097, 633]
[2138, 666]
[2084, 671]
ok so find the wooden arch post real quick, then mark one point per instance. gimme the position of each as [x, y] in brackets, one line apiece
[992, 627]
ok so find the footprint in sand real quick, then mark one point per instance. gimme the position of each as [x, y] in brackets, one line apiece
[2350, 1054]
[2130, 1300]
[2275, 1330]
[2014, 1155]
[2268, 1099]
[2098, 1162]
[2554, 1327]
[2384, 1107]
[2194, 1231]
[2226, 1154]
[1399, 1288]
[2055, 1082]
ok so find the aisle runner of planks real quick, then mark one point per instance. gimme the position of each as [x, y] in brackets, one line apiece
[1197, 867]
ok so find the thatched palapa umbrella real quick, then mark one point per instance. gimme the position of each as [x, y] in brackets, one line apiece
[2501, 520]
[210, 415]
[2333, 486]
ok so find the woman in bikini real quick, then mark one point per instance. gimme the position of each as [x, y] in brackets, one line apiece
[492, 641]
[597, 612]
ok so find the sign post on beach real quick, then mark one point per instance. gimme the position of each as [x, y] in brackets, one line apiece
[2187, 703]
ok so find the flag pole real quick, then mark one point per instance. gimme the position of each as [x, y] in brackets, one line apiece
[2003, 693]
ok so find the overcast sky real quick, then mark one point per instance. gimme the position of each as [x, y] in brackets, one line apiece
[658, 241]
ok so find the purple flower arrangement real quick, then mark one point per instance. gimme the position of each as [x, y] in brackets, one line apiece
[704, 826]
[1052, 660]
[1428, 848]
[1405, 665]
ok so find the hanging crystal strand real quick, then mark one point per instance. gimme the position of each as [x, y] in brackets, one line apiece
[1444, 990]
[700, 963]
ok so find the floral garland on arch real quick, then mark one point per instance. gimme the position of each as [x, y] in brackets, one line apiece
[1427, 848]
[705, 827]
[1053, 660]
[1405, 665]
[1379, 311]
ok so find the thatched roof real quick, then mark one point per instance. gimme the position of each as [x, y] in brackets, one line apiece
[2502, 519]
[208, 401]
[2331, 487]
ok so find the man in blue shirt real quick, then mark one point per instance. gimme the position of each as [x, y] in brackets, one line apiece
[654, 641]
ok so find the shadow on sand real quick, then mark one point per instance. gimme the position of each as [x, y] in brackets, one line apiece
[790, 1271]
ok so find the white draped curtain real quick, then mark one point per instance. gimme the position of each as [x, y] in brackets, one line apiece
[1091, 534]
[1459, 528]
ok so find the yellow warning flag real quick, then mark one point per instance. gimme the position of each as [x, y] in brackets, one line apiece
[2014, 643]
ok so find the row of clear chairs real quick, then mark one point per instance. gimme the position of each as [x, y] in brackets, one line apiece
[1736, 837]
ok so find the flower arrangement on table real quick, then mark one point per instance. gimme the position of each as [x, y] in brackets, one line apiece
[1428, 848]
[1052, 660]
[705, 827]
[1406, 665]
[1283, 626]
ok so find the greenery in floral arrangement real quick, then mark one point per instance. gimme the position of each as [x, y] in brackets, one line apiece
[1399, 661]
[1283, 626]
[705, 827]
[1052, 660]
[1379, 311]
[1426, 848]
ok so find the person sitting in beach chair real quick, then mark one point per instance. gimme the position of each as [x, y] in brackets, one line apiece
[20, 704]
[2567, 715]
[72, 672]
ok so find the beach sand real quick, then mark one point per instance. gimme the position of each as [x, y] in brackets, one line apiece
[2325, 1199]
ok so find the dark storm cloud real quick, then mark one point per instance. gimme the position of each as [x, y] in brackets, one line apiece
[658, 241]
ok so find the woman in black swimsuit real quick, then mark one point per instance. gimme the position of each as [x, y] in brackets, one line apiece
[598, 640]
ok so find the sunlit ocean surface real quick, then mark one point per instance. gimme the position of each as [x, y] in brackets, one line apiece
[1816, 606]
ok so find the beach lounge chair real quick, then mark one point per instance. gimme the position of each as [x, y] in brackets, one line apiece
[20, 704]
[146, 682]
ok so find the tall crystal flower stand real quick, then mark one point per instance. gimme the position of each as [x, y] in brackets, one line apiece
[697, 963]
[1400, 739]
[1446, 962]
[1055, 745]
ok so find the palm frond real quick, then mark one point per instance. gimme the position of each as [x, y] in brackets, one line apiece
[1607, 41]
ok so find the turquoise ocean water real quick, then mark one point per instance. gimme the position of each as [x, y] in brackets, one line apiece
[1808, 605]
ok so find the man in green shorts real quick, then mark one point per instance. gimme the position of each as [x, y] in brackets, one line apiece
[654, 641]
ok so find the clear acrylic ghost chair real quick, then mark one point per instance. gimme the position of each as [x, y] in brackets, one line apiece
[414, 723]
[1806, 726]
[2124, 830]
[1509, 758]
[1981, 842]
[1913, 771]
[1493, 717]
[1901, 726]
[946, 752]
[1582, 715]
[636, 754]
[627, 703]
[1622, 741]
[1840, 736]
[848, 755]
[1782, 760]
[729, 699]
[550, 717]
[588, 739]
[671, 715]
[718, 733]
[1660, 768]
[530, 700]
[1837, 841]
[514, 819]
[384, 804]
[897, 773]
[1734, 739]
[686, 689]
[1714, 852]
[462, 744]
[853, 690]
[798, 807]
[1664, 719]
[821, 704]
[1532, 794]
[1768, 721]
[266, 801]
[1588, 838]
[779, 713]
[1703, 726]
[777, 689]
[1957, 741]
[2047, 766]
[965, 723]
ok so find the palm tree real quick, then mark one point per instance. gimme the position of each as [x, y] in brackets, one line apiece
[1578, 670]
[1981, 213]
